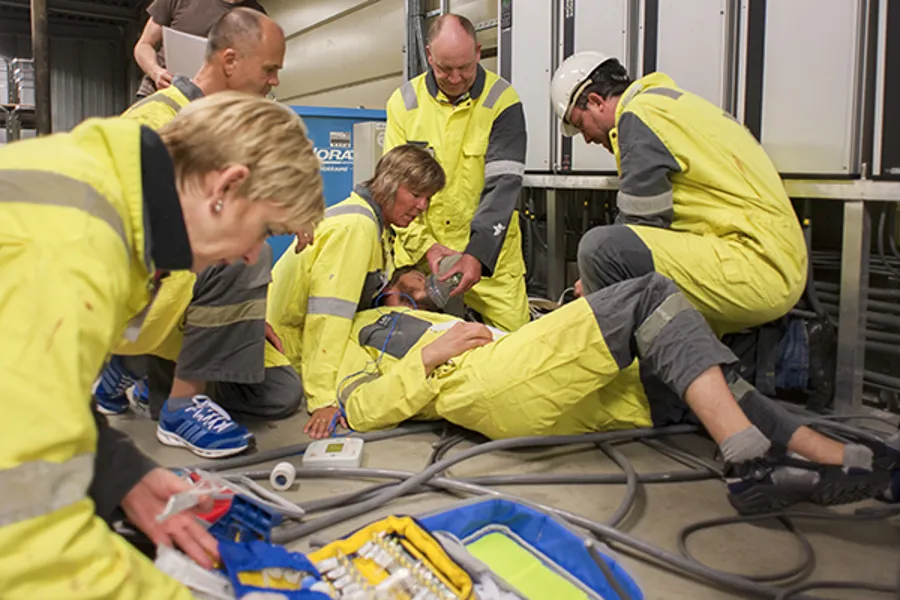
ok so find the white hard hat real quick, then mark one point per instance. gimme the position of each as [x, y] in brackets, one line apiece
[569, 81]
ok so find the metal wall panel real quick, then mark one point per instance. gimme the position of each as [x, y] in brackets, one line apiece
[600, 25]
[693, 47]
[526, 50]
[87, 76]
[349, 53]
[886, 142]
[810, 88]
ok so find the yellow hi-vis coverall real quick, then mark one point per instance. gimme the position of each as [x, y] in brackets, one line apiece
[480, 142]
[707, 205]
[76, 265]
[315, 294]
[571, 371]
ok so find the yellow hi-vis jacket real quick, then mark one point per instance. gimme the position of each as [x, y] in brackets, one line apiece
[557, 377]
[480, 141]
[315, 294]
[75, 264]
[687, 166]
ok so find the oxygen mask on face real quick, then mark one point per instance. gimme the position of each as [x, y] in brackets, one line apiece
[439, 291]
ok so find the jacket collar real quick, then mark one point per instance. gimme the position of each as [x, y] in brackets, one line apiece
[187, 87]
[166, 235]
[474, 92]
[363, 192]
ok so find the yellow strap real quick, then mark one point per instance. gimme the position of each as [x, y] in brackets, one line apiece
[39, 487]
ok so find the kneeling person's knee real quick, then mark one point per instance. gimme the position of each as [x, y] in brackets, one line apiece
[610, 254]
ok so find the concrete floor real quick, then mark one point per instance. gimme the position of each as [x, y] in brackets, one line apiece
[865, 551]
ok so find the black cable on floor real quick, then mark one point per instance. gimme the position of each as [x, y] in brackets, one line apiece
[801, 571]
[808, 564]
[680, 456]
[443, 447]
[835, 585]
[631, 482]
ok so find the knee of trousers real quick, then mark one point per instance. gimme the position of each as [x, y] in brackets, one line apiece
[610, 254]
[289, 394]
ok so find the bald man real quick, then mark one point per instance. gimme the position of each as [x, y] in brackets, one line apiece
[207, 335]
[473, 121]
[196, 17]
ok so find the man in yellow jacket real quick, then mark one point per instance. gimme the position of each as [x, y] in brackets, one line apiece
[699, 201]
[90, 222]
[575, 370]
[206, 334]
[472, 120]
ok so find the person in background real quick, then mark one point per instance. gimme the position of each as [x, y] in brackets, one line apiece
[206, 335]
[195, 17]
[699, 200]
[315, 294]
[473, 122]
[90, 222]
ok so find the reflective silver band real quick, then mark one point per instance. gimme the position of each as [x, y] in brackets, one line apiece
[408, 92]
[644, 206]
[39, 487]
[351, 209]
[665, 312]
[504, 167]
[500, 86]
[52, 189]
[334, 307]
[740, 388]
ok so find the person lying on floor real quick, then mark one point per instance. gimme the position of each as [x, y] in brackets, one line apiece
[576, 370]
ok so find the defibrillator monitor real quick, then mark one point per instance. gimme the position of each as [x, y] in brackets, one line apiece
[334, 452]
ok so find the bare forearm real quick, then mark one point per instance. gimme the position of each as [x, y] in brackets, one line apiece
[145, 55]
[184, 388]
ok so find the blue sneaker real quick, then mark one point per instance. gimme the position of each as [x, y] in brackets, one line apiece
[140, 393]
[109, 389]
[201, 426]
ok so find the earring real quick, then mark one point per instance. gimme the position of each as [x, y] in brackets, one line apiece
[218, 206]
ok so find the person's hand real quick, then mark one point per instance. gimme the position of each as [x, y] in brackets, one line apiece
[273, 338]
[460, 338]
[436, 254]
[162, 78]
[470, 267]
[577, 288]
[148, 498]
[320, 421]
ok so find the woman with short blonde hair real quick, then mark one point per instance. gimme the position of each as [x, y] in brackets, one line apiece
[90, 222]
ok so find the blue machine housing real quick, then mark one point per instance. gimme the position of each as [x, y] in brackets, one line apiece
[331, 131]
[542, 532]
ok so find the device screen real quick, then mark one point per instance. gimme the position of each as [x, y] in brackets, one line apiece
[334, 447]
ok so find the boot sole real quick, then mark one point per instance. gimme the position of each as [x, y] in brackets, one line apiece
[764, 498]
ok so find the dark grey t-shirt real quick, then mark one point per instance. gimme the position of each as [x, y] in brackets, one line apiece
[188, 16]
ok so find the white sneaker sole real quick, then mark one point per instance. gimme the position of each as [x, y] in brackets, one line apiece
[110, 413]
[171, 439]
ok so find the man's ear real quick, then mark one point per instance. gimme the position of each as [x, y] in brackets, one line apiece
[229, 61]
[595, 98]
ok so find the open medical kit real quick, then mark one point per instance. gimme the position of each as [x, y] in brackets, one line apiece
[486, 549]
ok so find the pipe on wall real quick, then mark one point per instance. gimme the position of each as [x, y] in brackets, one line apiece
[40, 52]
